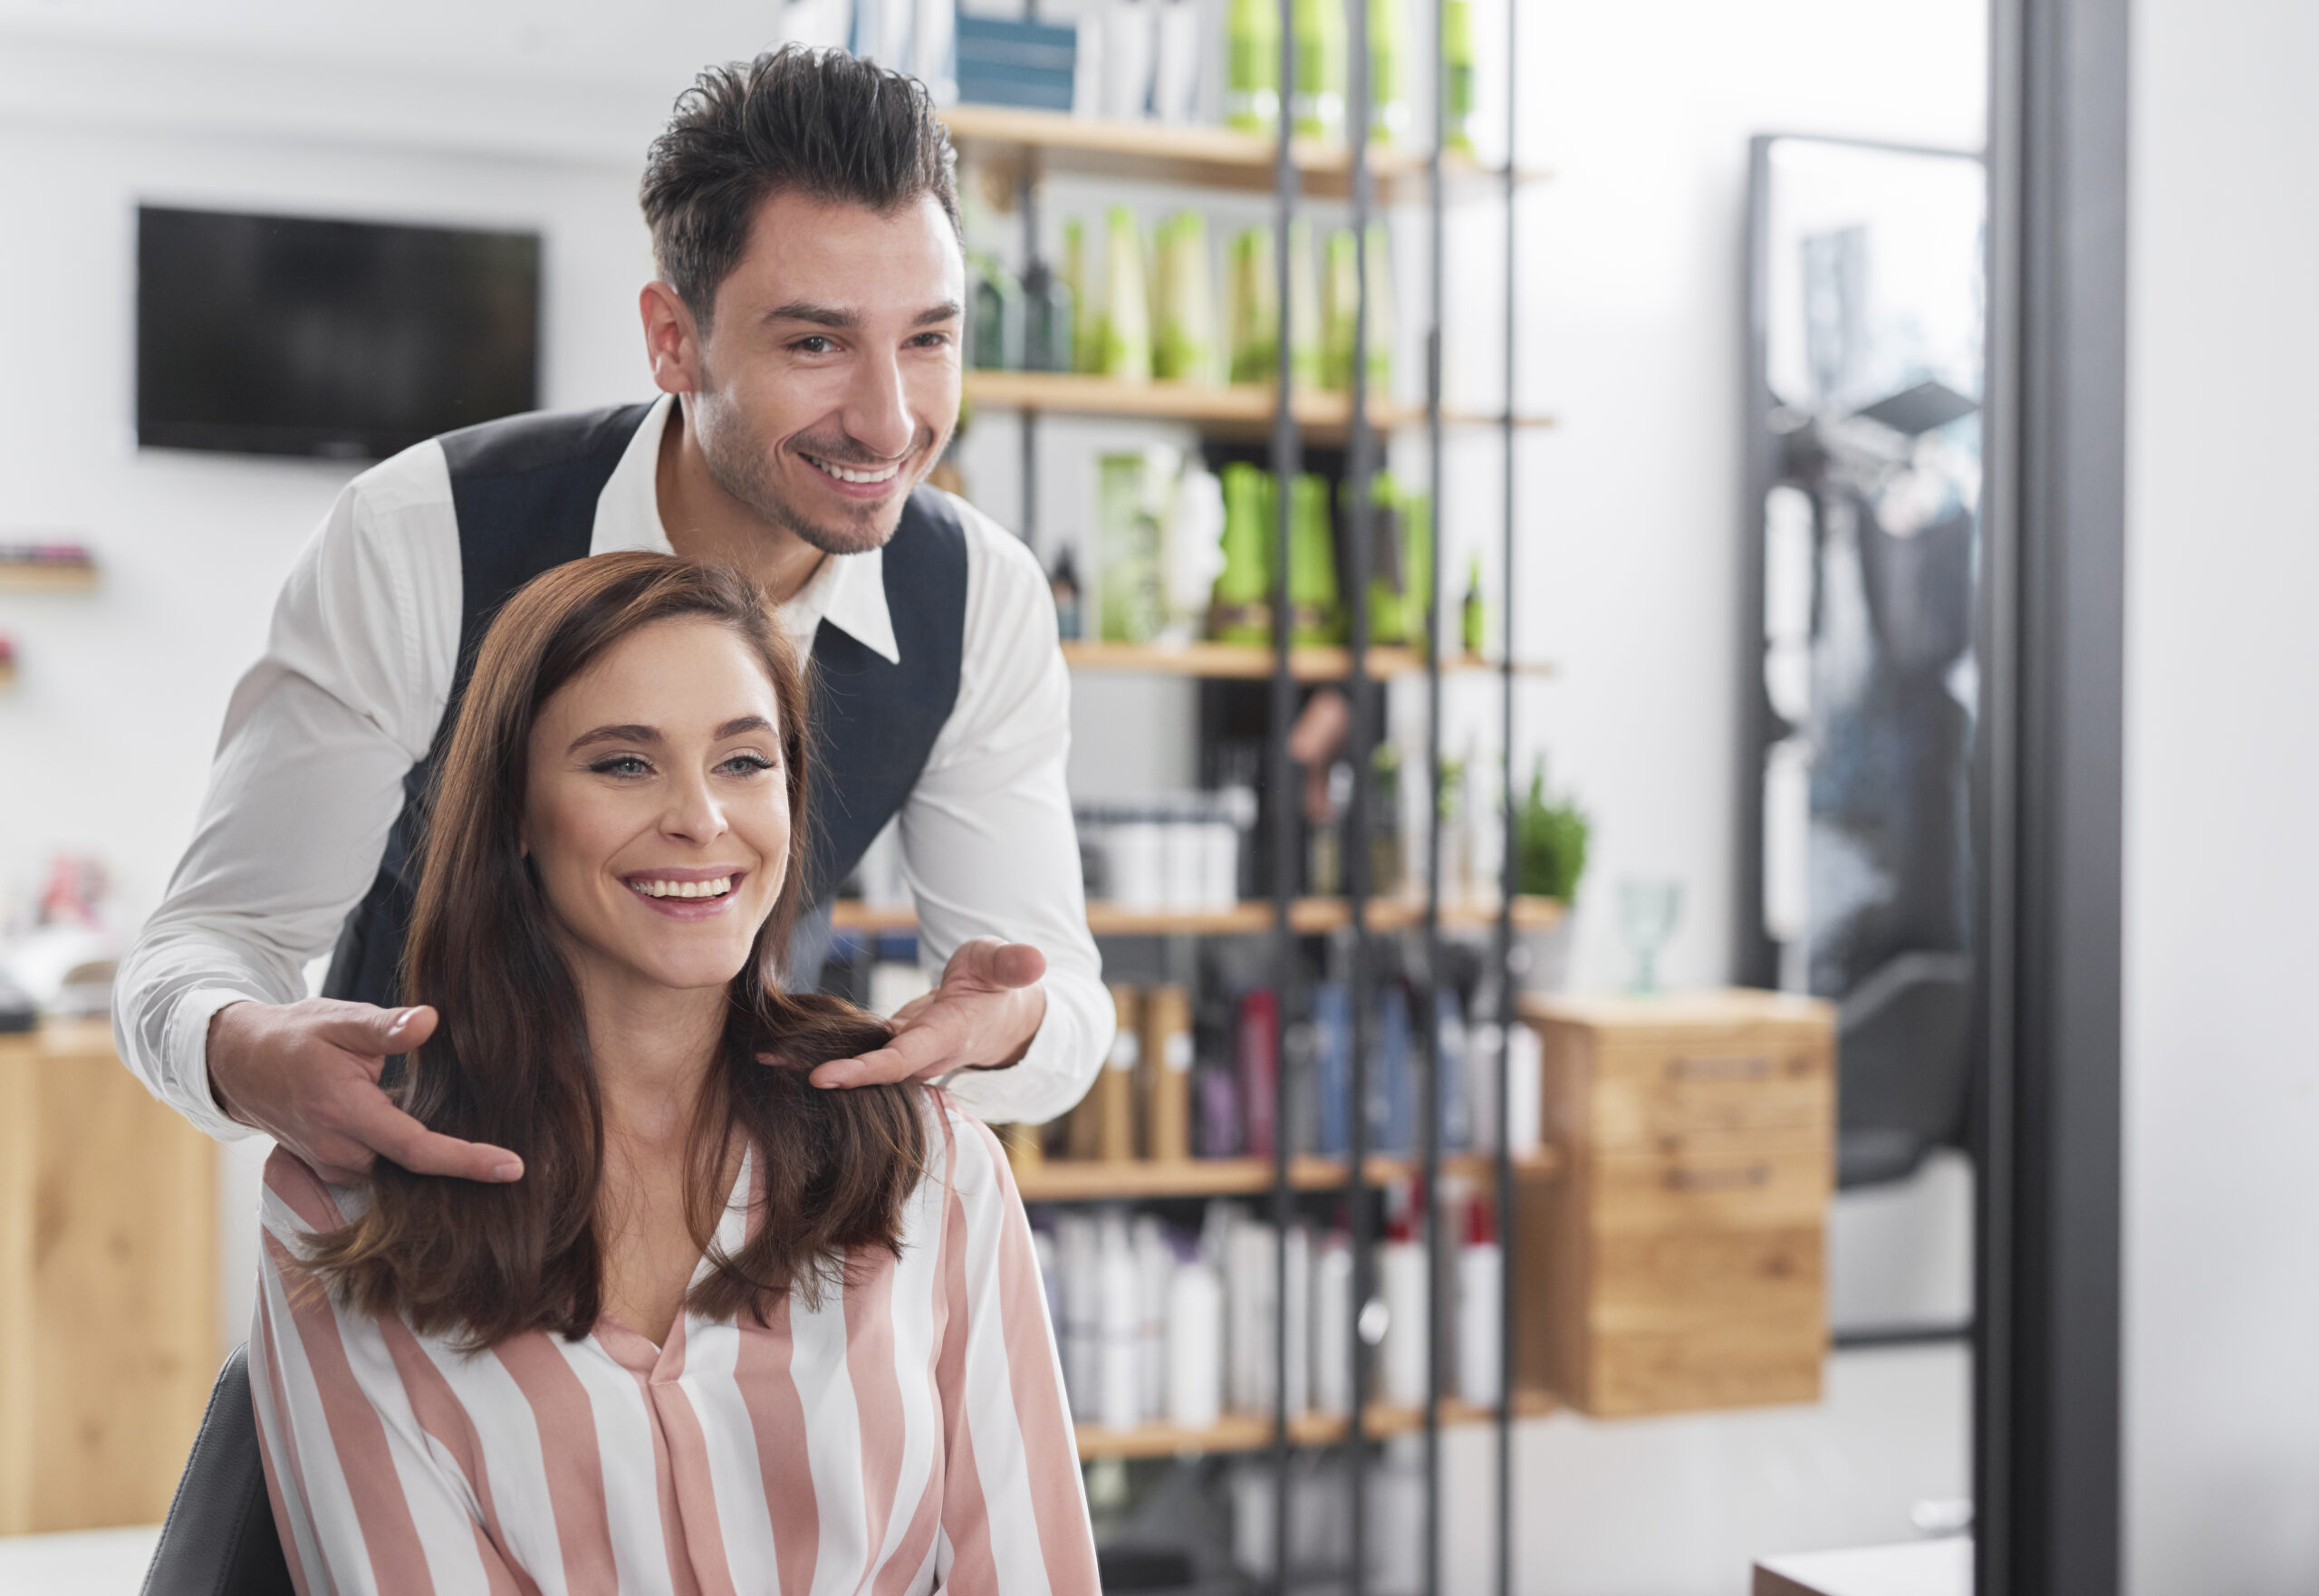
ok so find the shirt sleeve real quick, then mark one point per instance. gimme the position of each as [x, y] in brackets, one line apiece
[307, 777]
[367, 1501]
[988, 847]
[1014, 1508]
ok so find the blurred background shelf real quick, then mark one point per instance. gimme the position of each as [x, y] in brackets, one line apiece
[1244, 1432]
[1308, 916]
[41, 576]
[1253, 661]
[1009, 137]
[1241, 407]
[1091, 1180]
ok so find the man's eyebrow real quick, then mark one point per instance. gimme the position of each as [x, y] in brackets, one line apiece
[746, 723]
[948, 311]
[820, 315]
[614, 734]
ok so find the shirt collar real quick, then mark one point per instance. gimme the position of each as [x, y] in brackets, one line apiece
[849, 591]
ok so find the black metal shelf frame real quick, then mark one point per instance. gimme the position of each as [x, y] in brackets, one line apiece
[1287, 451]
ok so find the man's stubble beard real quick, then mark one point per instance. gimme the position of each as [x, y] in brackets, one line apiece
[745, 473]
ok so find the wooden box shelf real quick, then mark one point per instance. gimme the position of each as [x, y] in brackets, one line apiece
[1680, 1259]
[1247, 1432]
[1090, 1181]
[1010, 138]
[1244, 409]
[1309, 916]
[108, 1286]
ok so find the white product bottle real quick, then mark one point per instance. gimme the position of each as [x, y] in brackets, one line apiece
[1195, 1346]
[1481, 1285]
[1299, 1309]
[1333, 1325]
[1119, 1374]
[1400, 1279]
[1155, 1269]
[1402, 1365]
[1077, 1255]
[1250, 1308]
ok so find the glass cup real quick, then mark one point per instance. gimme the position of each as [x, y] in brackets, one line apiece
[1649, 907]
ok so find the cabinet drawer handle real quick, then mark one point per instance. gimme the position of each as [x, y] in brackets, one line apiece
[1681, 1179]
[1757, 1068]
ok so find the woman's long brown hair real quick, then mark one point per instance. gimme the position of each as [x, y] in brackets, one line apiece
[509, 1062]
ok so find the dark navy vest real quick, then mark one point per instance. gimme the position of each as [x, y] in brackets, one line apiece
[525, 491]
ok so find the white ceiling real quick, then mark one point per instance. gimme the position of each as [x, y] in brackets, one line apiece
[625, 42]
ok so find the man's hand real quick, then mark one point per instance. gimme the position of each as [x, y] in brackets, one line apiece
[982, 1017]
[307, 1074]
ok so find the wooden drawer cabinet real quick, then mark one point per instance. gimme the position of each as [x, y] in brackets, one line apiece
[1681, 1259]
[108, 1286]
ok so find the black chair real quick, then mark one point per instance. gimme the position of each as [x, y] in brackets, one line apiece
[219, 1539]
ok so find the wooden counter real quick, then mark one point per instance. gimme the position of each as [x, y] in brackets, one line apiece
[108, 1286]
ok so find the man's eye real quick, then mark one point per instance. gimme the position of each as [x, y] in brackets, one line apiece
[932, 340]
[814, 344]
[622, 764]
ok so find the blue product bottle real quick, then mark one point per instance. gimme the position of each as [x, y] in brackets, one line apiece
[1449, 1069]
[1332, 1066]
[1392, 1097]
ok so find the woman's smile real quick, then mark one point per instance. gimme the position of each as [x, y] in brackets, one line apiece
[693, 894]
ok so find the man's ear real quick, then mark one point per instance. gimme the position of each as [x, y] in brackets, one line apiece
[672, 339]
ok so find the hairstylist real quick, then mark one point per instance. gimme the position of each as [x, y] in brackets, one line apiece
[804, 333]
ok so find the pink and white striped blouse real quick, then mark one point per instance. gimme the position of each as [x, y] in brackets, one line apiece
[907, 1436]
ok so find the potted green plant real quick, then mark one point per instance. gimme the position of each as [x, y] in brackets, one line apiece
[1549, 837]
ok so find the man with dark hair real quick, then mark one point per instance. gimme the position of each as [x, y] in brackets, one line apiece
[804, 333]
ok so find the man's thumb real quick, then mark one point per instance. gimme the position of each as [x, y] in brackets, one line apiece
[387, 1031]
[990, 962]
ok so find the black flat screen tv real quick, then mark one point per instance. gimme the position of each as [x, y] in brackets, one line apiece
[290, 335]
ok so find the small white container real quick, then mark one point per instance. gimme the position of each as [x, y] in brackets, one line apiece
[1401, 1360]
[1135, 848]
[1195, 1346]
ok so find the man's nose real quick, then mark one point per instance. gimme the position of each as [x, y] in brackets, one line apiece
[877, 410]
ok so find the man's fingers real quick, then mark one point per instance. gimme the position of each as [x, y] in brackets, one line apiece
[380, 1032]
[387, 1130]
[987, 962]
[909, 1054]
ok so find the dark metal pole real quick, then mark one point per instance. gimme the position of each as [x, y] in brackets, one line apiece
[1358, 822]
[1286, 463]
[1509, 872]
[1437, 1300]
[2048, 780]
[1027, 201]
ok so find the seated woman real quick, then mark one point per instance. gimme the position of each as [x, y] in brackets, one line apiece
[729, 1332]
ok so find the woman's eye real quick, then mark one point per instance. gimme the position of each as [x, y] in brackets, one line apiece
[747, 764]
[622, 764]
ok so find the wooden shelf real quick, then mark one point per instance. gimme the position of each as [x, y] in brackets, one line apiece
[1309, 916]
[1247, 1432]
[1239, 408]
[1067, 1180]
[39, 576]
[1253, 661]
[1206, 157]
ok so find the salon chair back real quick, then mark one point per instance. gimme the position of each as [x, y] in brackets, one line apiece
[219, 1539]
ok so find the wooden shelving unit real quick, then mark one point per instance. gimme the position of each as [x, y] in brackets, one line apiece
[39, 576]
[1245, 1432]
[1008, 139]
[1241, 408]
[1310, 916]
[1253, 661]
[1067, 1180]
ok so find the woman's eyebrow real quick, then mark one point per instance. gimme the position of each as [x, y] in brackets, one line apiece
[746, 723]
[614, 734]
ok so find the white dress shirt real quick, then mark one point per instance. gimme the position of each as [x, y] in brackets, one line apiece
[347, 697]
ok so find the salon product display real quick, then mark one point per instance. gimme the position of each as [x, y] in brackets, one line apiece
[1168, 852]
[1157, 1323]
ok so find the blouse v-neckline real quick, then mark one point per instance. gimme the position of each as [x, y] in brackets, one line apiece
[639, 1353]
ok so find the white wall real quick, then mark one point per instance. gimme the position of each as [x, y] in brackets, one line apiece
[119, 693]
[2222, 789]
